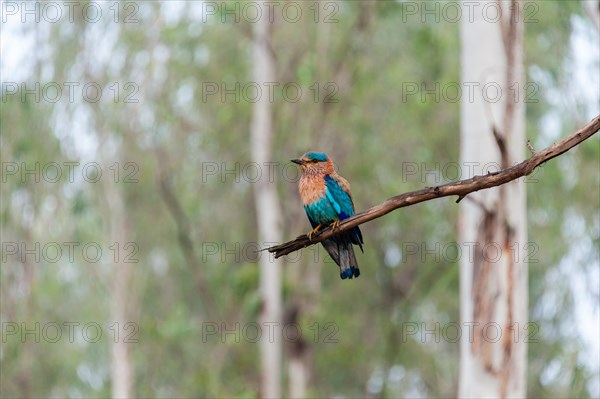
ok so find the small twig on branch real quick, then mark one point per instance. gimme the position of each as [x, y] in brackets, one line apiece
[460, 188]
[531, 149]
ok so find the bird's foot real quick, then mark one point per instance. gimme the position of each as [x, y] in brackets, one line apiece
[314, 231]
[335, 225]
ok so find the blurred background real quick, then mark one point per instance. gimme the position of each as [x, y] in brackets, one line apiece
[129, 199]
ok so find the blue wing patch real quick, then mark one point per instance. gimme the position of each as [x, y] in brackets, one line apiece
[339, 198]
[342, 203]
[336, 206]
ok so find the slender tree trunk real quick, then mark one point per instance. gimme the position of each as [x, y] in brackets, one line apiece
[268, 213]
[298, 372]
[298, 354]
[121, 291]
[493, 227]
[25, 376]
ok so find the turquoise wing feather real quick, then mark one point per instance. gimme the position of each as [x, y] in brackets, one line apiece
[342, 203]
[339, 198]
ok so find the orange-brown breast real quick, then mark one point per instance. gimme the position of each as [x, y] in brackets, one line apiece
[311, 187]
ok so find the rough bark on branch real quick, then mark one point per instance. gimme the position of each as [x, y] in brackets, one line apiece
[460, 188]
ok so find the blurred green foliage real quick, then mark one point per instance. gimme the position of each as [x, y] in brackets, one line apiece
[372, 131]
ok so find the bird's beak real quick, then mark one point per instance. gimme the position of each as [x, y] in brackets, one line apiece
[298, 161]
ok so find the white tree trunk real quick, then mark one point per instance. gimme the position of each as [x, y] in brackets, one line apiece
[492, 224]
[121, 291]
[268, 213]
[298, 373]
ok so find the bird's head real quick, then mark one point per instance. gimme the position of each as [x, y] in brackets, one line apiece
[315, 163]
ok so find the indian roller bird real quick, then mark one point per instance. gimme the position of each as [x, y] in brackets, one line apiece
[327, 200]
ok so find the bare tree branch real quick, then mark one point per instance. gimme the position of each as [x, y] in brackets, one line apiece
[460, 188]
[184, 234]
[174, 207]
